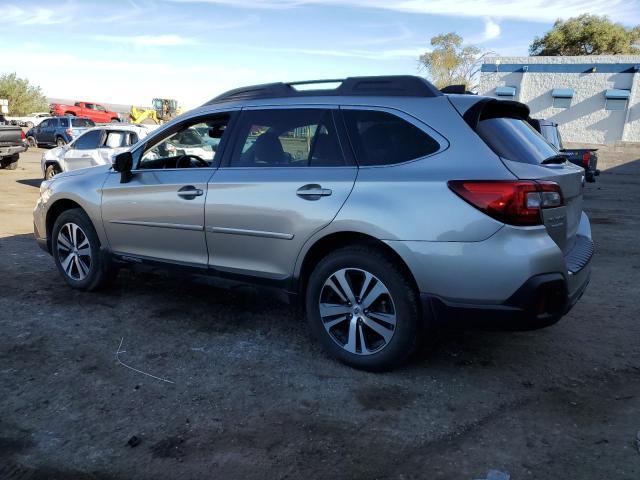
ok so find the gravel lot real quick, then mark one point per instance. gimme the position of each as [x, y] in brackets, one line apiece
[254, 397]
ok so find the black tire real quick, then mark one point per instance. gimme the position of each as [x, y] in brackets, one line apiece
[404, 300]
[60, 142]
[115, 120]
[100, 272]
[32, 141]
[51, 171]
[10, 163]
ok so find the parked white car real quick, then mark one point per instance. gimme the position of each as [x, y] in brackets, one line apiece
[96, 146]
[32, 120]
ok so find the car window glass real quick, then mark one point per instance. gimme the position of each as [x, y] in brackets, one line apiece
[287, 138]
[81, 123]
[88, 141]
[133, 138]
[101, 108]
[89, 106]
[45, 123]
[115, 139]
[63, 122]
[191, 146]
[380, 138]
[515, 140]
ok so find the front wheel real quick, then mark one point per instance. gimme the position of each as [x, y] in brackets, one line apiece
[76, 252]
[32, 142]
[363, 308]
[51, 171]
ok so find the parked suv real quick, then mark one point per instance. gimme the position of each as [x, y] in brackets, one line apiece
[382, 204]
[58, 131]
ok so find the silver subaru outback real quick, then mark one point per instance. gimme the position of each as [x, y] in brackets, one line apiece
[384, 206]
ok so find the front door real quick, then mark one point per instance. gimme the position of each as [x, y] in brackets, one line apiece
[286, 177]
[159, 213]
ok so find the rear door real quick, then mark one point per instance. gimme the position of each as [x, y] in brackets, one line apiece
[524, 151]
[45, 131]
[286, 177]
[83, 152]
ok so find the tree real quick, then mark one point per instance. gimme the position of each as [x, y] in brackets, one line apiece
[587, 35]
[452, 63]
[23, 97]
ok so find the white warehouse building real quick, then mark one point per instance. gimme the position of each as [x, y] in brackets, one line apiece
[593, 99]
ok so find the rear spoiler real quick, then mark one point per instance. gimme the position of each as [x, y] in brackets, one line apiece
[473, 109]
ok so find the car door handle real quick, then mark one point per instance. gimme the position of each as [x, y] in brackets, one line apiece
[190, 192]
[313, 191]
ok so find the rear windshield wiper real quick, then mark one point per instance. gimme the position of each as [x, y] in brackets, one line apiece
[559, 158]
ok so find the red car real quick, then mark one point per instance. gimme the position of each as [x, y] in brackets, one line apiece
[94, 111]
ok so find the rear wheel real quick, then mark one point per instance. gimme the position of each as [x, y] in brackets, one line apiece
[363, 308]
[60, 142]
[10, 163]
[76, 252]
[115, 120]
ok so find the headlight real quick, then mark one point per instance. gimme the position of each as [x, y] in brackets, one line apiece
[45, 190]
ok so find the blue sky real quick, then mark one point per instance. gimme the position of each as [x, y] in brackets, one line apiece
[129, 51]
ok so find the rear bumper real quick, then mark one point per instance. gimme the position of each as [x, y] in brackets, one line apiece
[8, 151]
[539, 302]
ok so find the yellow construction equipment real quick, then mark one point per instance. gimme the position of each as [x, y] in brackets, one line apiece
[163, 110]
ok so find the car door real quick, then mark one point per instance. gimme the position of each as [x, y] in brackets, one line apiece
[286, 177]
[83, 152]
[44, 133]
[159, 213]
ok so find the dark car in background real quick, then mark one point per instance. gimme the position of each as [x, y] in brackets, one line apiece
[583, 157]
[58, 131]
[11, 144]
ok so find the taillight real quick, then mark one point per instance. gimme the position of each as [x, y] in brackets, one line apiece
[518, 202]
[69, 132]
[586, 157]
[22, 135]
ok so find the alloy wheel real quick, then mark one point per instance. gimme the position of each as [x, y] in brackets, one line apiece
[74, 251]
[357, 311]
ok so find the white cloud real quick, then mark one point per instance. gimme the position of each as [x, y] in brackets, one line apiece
[491, 29]
[147, 40]
[14, 15]
[625, 11]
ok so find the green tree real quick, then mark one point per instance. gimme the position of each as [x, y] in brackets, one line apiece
[23, 97]
[587, 35]
[450, 62]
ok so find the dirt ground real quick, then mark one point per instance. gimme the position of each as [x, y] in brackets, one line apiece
[253, 397]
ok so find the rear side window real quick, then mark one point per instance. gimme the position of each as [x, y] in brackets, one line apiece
[380, 138]
[82, 122]
[515, 139]
[63, 122]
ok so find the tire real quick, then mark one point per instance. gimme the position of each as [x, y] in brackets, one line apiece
[10, 163]
[115, 120]
[51, 171]
[390, 296]
[87, 269]
[32, 142]
[60, 142]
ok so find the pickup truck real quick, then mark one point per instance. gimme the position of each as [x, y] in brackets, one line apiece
[94, 111]
[583, 157]
[12, 143]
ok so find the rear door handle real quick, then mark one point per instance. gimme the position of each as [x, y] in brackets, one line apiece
[190, 192]
[313, 191]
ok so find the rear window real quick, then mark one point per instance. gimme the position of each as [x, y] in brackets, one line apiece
[515, 139]
[380, 138]
[82, 122]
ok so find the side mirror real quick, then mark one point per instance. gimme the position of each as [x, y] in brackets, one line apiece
[123, 163]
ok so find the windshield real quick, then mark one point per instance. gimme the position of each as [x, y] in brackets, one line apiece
[515, 139]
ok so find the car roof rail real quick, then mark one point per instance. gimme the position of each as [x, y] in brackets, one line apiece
[392, 85]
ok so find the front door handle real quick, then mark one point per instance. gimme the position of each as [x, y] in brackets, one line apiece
[313, 191]
[190, 192]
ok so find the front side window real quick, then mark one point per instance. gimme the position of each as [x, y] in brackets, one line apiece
[88, 141]
[192, 145]
[380, 138]
[63, 122]
[298, 137]
[100, 108]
